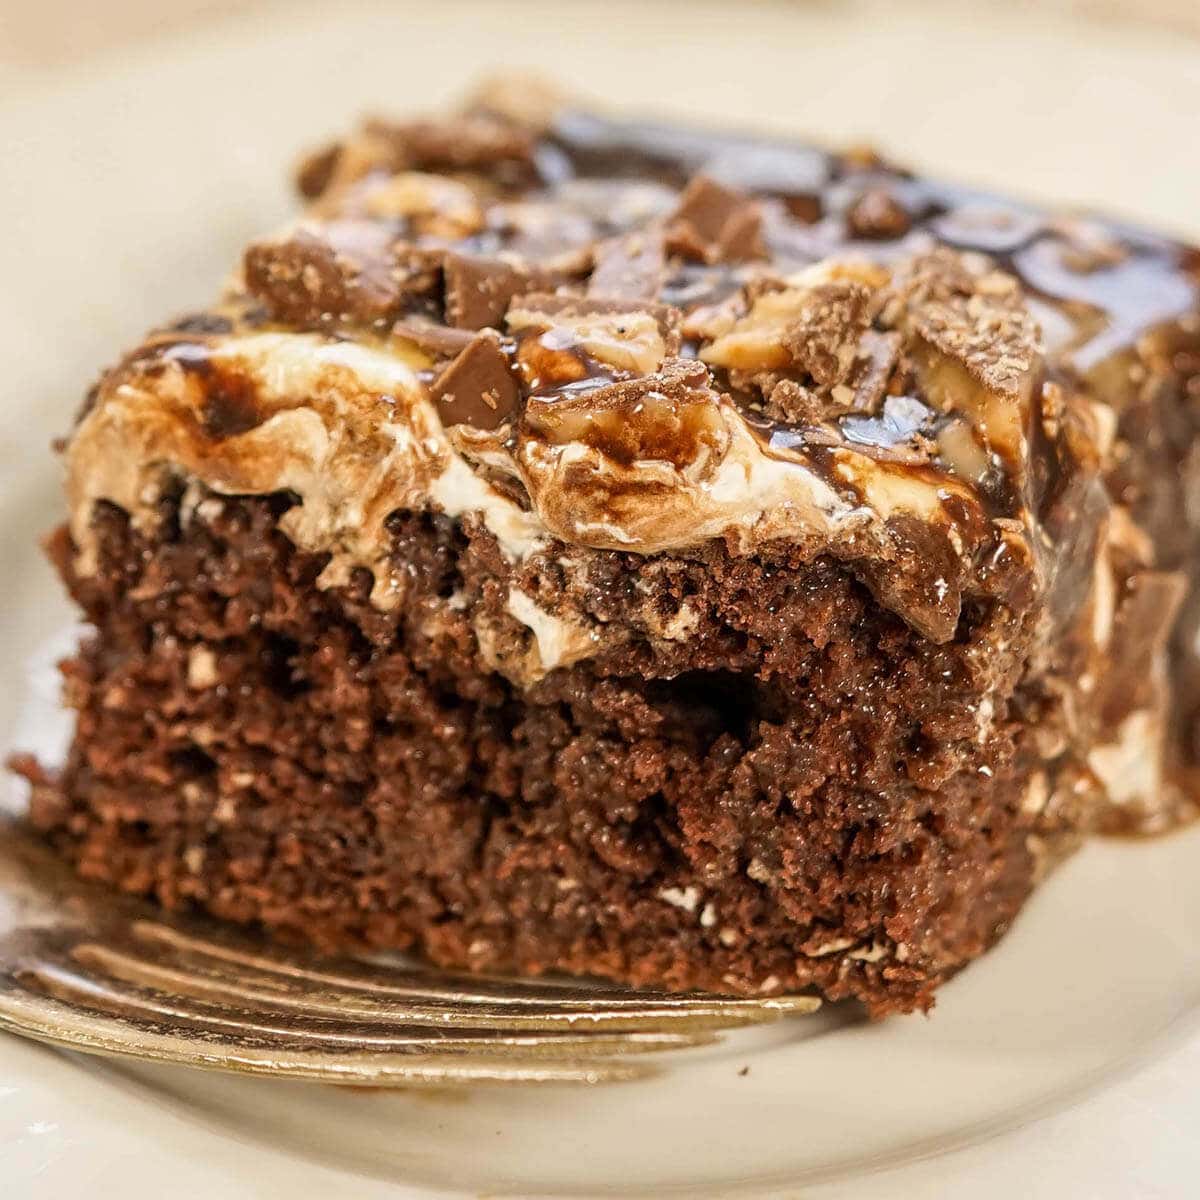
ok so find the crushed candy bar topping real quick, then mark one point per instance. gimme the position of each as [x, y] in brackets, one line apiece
[641, 338]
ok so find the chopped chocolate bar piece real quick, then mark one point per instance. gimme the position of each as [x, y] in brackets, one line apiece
[479, 290]
[877, 213]
[469, 141]
[346, 269]
[478, 387]
[633, 266]
[437, 340]
[499, 149]
[823, 338]
[813, 328]
[716, 224]
[593, 546]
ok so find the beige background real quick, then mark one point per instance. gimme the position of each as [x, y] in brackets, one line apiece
[65, 31]
[144, 141]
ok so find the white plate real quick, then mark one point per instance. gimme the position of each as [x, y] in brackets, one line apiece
[127, 193]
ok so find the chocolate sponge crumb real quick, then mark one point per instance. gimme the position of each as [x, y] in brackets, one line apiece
[791, 797]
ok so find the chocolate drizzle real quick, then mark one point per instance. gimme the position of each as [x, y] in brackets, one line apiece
[624, 319]
[644, 551]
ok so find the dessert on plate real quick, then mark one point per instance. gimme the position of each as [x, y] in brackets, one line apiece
[688, 558]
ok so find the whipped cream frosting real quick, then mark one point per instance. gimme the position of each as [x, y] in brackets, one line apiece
[350, 429]
[346, 427]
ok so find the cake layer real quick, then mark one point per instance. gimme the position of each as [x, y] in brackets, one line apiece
[799, 792]
[684, 557]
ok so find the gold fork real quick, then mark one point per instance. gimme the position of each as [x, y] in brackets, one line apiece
[85, 969]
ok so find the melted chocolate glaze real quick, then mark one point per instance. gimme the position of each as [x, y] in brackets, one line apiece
[1135, 280]
[702, 225]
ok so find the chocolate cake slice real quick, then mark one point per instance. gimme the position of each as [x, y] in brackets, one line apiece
[684, 558]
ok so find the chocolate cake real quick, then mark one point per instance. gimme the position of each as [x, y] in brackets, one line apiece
[685, 558]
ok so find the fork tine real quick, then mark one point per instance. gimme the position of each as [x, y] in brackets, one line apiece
[67, 984]
[430, 984]
[303, 993]
[88, 970]
[71, 1027]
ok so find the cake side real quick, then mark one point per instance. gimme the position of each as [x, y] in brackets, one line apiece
[678, 557]
[781, 802]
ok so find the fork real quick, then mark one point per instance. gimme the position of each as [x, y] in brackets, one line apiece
[85, 969]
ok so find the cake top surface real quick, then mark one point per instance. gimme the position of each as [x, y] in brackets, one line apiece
[636, 337]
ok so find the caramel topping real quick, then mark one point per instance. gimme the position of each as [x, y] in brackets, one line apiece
[615, 334]
[666, 416]
[642, 337]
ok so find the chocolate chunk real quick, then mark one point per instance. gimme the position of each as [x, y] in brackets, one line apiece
[941, 274]
[201, 322]
[878, 354]
[741, 236]
[789, 401]
[436, 340]
[998, 352]
[814, 328]
[478, 387]
[471, 142]
[923, 582]
[298, 279]
[479, 290]
[809, 350]
[316, 171]
[877, 215]
[824, 336]
[349, 269]
[979, 320]
[715, 223]
[633, 266]
[481, 143]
